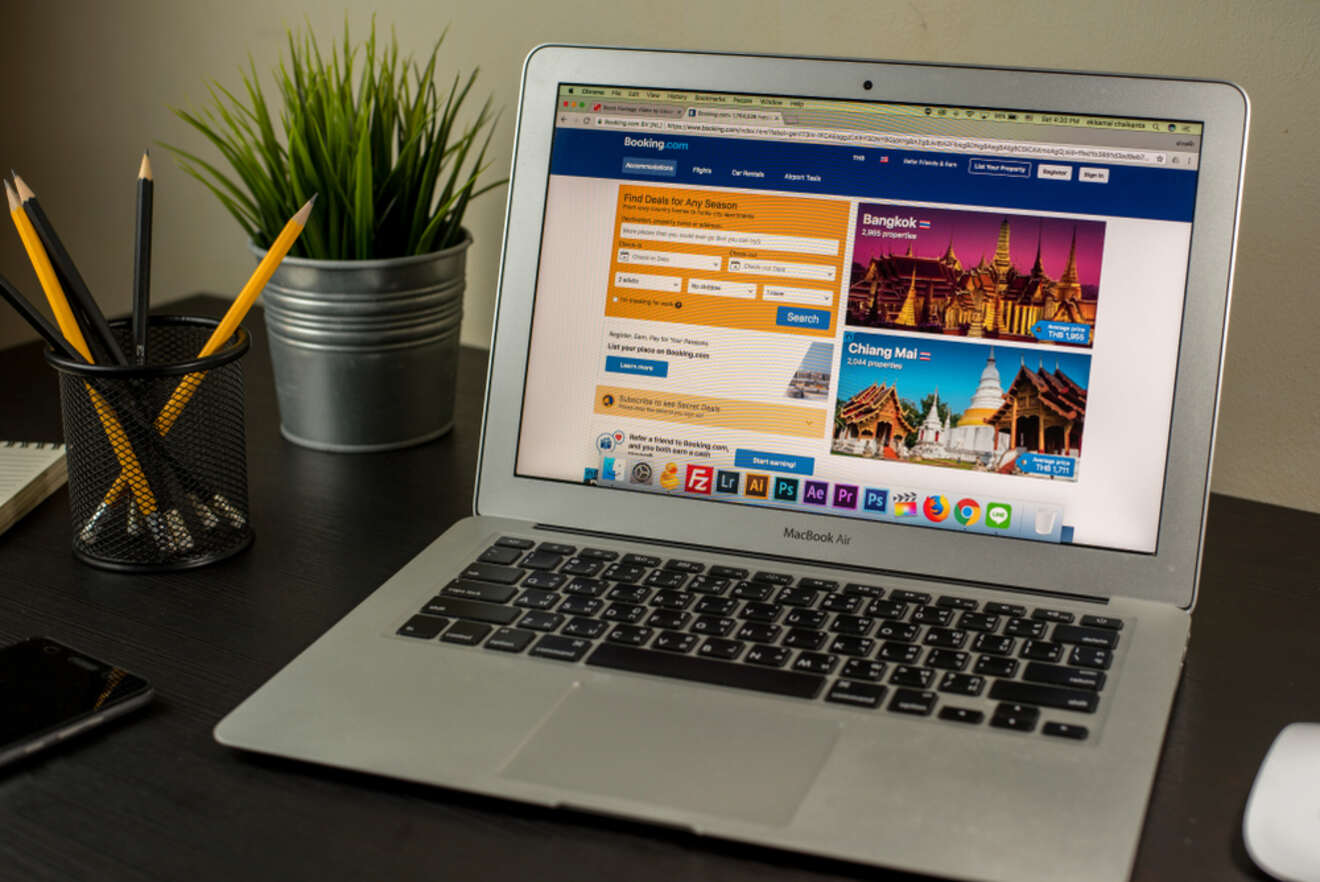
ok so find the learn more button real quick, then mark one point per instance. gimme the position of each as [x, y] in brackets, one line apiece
[646, 367]
[793, 317]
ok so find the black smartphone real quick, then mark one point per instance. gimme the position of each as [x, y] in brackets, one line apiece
[49, 692]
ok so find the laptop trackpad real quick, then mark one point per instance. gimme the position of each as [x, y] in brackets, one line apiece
[690, 751]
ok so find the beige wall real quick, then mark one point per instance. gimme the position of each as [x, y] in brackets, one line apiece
[90, 82]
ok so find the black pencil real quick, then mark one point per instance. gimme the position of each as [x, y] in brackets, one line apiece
[142, 260]
[38, 321]
[64, 264]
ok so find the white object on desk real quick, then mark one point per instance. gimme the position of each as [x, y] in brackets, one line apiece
[29, 472]
[1281, 825]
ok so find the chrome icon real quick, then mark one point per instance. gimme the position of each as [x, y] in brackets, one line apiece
[936, 508]
[967, 511]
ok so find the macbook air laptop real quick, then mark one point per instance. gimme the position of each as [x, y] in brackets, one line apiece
[844, 469]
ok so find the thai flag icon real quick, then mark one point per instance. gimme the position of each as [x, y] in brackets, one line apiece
[923, 225]
[923, 356]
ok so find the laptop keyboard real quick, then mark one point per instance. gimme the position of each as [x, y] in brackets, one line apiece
[855, 644]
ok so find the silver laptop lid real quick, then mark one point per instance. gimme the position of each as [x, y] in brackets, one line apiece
[960, 322]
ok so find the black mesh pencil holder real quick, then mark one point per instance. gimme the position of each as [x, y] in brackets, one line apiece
[157, 457]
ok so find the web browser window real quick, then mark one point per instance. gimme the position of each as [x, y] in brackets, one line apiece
[948, 317]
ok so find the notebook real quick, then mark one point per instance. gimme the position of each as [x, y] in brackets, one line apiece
[844, 466]
[29, 472]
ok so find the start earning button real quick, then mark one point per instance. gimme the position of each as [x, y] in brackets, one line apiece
[792, 317]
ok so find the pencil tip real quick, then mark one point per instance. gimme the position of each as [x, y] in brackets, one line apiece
[14, 202]
[304, 212]
[144, 171]
[24, 191]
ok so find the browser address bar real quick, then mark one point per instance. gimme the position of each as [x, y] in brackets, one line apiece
[890, 140]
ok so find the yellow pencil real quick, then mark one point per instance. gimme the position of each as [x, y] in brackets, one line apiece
[130, 468]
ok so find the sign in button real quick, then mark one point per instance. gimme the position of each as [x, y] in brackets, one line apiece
[646, 367]
[792, 317]
[774, 462]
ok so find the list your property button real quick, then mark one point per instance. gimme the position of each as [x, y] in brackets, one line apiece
[646, 367]
[792, 317]
[644, 165]
[1006, 168]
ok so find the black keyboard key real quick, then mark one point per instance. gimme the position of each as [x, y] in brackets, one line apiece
[514, 542]
[772, 578]
[623, 612]
[769, 656]
[806, 618]
[1101, 637]
[815, 662]
[707, 584]
[510, 639]
[704, 670]
[753, 591]
[1006, 609]
[962, 684]
[584, 586]
[668, 619]
[918, 597]
[640, 560]
[861, 669]
[598, 554]
[674, 641]
[581, 606]
[948, 659]
[766, 613]
[858, 626]
[589, 628]
[666, 598]
[727, 650]
[893, 630]
[994, 666]
[842, 603]
[685, 566]
[712, 626]
[629, 593]
[1052, 615]
[932, 615]
[917, 678]
[578, 566]
[500, 554]
[715, 606]
[887, 609]
[545, 580]
[1045, 696]
[422, 627]
[1090, 657]
[624, 572]
[465, 633]
[486, 591]
[461, 608]
[961, 715]
[558, 548]
[804, 638]
[534, 598]
[758, 633]
[629, 635]
[1017, 717]
[906, 653]
[818, 584]
[863, 589]
[561, 648]
[1065, 730]
[798, 597]
[1109, 622]
[994, 644]
[1057, 675]
[541, 621]
[1025, 628]
[1041, 650]
[912, 701]
[860, 647]
[665, 579]
[722, 572]
[484, 572]
[946, 638]
[541, 560]
[857, 694]
[956, 602]
[973, 621]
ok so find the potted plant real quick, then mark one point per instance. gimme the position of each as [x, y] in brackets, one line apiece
[363, 315]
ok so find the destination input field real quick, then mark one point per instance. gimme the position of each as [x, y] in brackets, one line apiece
[647, 282]
[676, 259]
[729, 238]
[804, 296]
[819, 271]
[745, 290]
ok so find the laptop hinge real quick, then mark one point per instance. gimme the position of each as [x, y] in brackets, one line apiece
[829, 565]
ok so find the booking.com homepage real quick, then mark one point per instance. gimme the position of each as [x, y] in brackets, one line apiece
[980, 340]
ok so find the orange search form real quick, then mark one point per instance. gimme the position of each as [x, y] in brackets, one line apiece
[726, 413]
[728, 260]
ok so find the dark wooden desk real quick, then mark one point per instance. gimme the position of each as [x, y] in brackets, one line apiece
[154, 797]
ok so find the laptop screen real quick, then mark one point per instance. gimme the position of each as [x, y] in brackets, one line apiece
[956, 318]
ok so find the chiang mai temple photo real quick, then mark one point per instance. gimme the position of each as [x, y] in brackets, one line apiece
[992, 299]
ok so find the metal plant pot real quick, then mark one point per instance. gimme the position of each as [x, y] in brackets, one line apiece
[365, 352]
